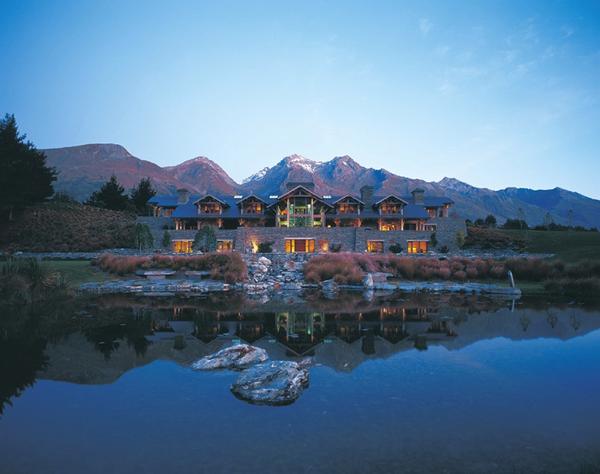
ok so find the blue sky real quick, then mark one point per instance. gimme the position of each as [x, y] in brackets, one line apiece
[496, 94]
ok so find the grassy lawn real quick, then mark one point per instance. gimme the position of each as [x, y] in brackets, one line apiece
[569, 246]
[77, 271]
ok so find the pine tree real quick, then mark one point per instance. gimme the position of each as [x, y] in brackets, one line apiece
[143, 237]
[141, 194]
[24, 177]
[205, 239]
[166, 240]
[110, 196]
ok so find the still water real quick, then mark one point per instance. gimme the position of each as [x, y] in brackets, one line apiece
[406, 384]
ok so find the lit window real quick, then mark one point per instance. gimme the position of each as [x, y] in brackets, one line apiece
[375, 246]
[417, 246]
[224, 245]
[182, 246]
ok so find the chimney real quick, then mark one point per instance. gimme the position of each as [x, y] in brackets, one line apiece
[366, 195]
[417, 195]
[183, 196]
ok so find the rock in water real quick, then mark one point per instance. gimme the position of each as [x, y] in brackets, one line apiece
[236, 357]
[278, 382]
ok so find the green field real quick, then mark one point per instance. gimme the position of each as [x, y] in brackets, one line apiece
[77, 271]
[569, 246]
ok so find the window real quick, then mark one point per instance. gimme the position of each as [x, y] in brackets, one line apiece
[300, 245]
[387, 226]
[224, 245]
[375, 246]
[417, 246]
[324, 245]
[182, 246]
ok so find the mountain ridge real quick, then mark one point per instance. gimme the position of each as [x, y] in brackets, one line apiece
[83, 169]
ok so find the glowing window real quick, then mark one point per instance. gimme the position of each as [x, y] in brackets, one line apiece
[182, 246]
[224, 245]
[417, 246]
[375, 246]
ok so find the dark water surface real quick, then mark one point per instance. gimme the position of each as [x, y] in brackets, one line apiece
[414, 384]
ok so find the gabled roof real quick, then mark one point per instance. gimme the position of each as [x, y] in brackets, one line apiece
[216, 198]
[348, 196]
[390, 196]
[291, 191]
[252, 195]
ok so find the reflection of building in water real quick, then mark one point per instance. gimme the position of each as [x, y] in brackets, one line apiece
[299, 332]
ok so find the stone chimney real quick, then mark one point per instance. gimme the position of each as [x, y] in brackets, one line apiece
[183, 196]
[366, 195]
[418, 196]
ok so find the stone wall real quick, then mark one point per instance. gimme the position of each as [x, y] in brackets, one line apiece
[350, 238]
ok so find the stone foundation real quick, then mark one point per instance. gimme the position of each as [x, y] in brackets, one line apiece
[351, 239]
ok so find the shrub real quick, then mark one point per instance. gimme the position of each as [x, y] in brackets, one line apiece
[229, 267]
[444, 249]
[395, 248]
[265, 247]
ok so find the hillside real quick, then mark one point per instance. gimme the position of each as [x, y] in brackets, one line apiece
[64, 227]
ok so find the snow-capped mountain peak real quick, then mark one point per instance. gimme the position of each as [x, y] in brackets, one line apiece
[256, 176]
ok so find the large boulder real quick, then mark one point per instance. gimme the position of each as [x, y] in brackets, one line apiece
[277, 382]
[236, 357]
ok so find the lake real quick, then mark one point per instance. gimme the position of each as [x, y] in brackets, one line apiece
[415, 384]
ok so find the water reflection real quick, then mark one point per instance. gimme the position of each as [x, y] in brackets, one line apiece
[96, 341]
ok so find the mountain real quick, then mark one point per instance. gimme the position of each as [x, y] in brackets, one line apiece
[83, 169]
[202, 175]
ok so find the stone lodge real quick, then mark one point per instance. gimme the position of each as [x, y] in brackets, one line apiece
[300, 220]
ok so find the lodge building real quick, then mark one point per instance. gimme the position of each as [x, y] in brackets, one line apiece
[301, 220]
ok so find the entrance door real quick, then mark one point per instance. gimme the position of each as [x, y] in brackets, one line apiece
[299, 245]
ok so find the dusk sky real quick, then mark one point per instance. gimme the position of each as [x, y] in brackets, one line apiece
[496, 94]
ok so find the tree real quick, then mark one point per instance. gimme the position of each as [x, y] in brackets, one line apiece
[110, 196]
[490, 220]
[24, 177]
[166, 240]
[460, 239]
[143, 237]
[205, 239]
[433, 241]
[141, 194]
[515, 224]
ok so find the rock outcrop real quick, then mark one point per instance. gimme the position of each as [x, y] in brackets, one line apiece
[236, 357]
[272, 383]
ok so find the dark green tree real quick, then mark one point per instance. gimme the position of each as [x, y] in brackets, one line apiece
[24, 177]
[141, 194]
[490, 220]
[110, 196]
[205, 239]
[143, 237]
[166, 240]
[433, 241]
